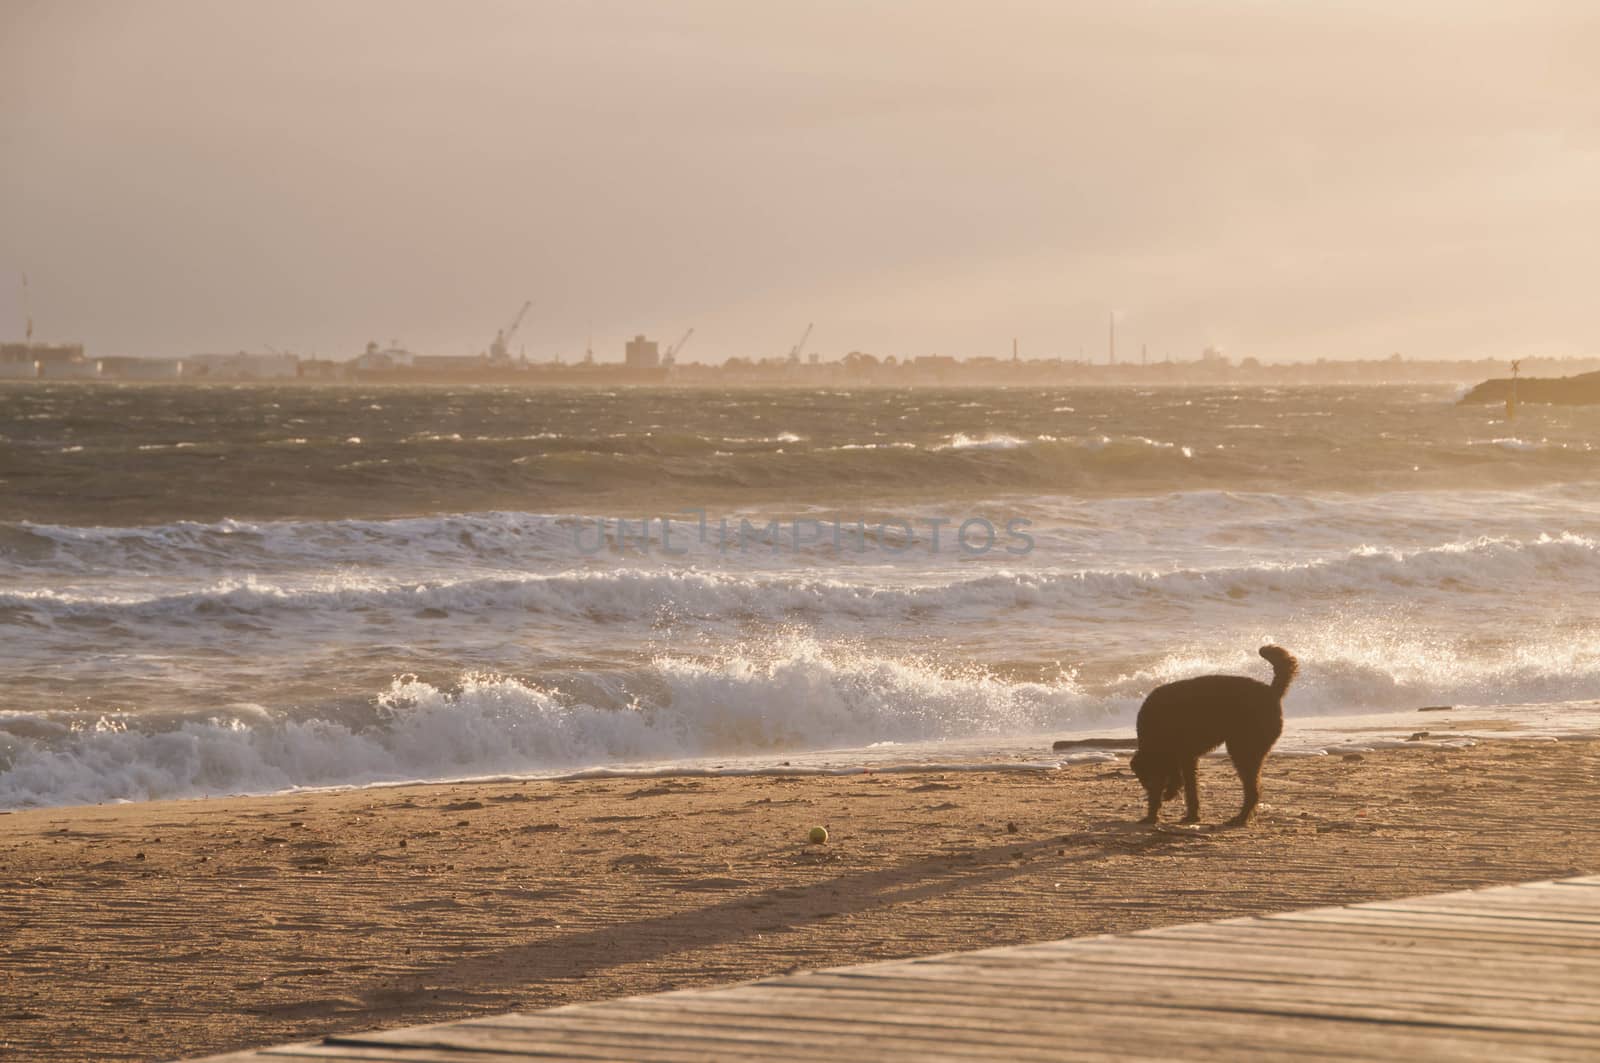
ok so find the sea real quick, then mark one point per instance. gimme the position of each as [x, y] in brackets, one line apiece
[213, 590]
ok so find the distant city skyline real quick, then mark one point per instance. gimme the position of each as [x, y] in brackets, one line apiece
[1285, 183]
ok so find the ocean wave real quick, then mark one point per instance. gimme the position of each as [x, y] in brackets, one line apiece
[1378, 662]
[184, 545]
[1490, 565]
[527, 539]
[788, 696]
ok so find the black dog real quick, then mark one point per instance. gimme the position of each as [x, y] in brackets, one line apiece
[1180, 721]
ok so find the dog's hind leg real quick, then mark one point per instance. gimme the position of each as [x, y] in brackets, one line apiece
[1191, 790]
[1247, 761]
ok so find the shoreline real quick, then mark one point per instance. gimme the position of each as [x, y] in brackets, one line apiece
[172, 928]
[1434, 727]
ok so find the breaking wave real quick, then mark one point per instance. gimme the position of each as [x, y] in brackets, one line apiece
[789, 695]
[794, 697]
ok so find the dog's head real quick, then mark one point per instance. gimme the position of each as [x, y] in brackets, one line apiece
[1158, 774]
[1149, 773]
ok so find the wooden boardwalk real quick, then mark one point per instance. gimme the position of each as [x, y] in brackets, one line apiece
[1505, 973]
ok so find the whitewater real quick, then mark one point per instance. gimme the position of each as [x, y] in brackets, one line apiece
[208, 642]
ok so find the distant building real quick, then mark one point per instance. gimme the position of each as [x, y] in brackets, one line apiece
[320, 369]
[641, 353]
[17, 362]
[374, 360]
[48, 361]
[242, 366]
[938, 367]
[62, 361]
[121, 368]
[448, 363]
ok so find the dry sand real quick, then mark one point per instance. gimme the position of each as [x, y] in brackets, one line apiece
[176, 928]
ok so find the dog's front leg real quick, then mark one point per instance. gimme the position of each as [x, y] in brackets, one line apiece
[1153, 799]
[1191, 791]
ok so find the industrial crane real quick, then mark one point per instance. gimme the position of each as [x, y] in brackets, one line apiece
[672, 352]
[27, 309]
[497, 349]
[799, 349]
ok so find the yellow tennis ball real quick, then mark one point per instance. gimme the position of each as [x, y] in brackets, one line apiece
[818, 835]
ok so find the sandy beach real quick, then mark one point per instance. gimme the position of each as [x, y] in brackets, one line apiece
[166, 929]
[512, 505]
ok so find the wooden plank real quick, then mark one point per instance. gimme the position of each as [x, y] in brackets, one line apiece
[605, 1039]
[1507, 972]
[1566, 918]
[573, 1053]
[1158, 1008]
[1407, 946]
[326, 1053]
[1067, 1034]
[1331, 998]
[1580, 905]
[1504, 930]
[1253, 964]
[1123, 1028]
[1231, 996]
[1127, 1036]
[1356, 958]
[1551, 913]
[1392, 939]
[664, 1022]
[802, 1041]
[1536, 972]
[1492, 979]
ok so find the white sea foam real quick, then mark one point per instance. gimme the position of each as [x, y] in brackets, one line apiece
[873, 446]
[790, 696]
[1379, 664]
[962, 441]
[781, 437]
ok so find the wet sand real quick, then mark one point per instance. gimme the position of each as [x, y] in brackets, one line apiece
[177, 928]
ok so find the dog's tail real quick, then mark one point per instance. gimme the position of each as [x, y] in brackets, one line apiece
[1284, 667]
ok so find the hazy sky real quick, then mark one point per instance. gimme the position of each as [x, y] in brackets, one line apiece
[1283, 179]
